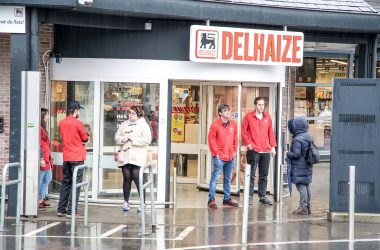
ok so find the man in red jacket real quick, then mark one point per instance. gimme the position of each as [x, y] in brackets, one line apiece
[73, 136]
[223, 144]
[257, 134]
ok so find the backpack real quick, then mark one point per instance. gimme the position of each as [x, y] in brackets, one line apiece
[312, 156]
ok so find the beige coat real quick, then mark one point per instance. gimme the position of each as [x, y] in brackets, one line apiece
[135, 150]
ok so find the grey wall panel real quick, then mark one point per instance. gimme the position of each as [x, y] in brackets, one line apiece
[356, 141]
[166, 41]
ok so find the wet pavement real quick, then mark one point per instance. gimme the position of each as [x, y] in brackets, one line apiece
[196, 227]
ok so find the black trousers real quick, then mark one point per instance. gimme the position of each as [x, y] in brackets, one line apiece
[130, 172]
[262, 160]
[64, 205]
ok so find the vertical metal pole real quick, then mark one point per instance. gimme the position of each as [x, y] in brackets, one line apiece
[245, 203]
[73, 199]
[86, 200]
[351, 202]
[142, 200]
[3, 187]
[152, 207]
[19, 192]
[174, 187]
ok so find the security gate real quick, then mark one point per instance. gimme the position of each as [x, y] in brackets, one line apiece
[356, 141]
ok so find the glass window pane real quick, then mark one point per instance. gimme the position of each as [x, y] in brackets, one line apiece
[63, 92]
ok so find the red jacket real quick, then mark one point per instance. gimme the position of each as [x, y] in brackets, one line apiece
[73, 135]
[45, 150]
[223, 141]
[258, 133]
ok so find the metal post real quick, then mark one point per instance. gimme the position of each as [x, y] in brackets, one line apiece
[76, 185]
[142, 204]
[152, 206]
[174, 187]
[142, 187]
[4, 185]
[351, 202]
[245, 203]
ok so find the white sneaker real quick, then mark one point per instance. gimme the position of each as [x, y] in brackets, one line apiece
[146, 207]
[125, 206]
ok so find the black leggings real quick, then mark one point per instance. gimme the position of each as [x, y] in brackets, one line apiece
[130, 172]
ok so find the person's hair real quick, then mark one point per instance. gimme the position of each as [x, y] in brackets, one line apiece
[221, 107]
[70, 111]
[43, 113]
[259, 98]
[138, 110]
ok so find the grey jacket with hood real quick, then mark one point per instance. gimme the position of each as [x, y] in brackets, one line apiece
[301, 170]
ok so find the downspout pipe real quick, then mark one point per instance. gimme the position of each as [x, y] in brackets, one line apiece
[374, 56]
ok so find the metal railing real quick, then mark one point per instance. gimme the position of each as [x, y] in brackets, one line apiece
[4, 185]
[245, 203]
[142, 186]
[74, 196]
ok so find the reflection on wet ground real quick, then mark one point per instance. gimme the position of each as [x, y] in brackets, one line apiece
[270, 227]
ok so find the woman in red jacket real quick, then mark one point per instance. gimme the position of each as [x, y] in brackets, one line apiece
[46, 162]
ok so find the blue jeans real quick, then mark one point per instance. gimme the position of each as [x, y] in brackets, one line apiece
[217, 167]
[45, 178]
[305, 195]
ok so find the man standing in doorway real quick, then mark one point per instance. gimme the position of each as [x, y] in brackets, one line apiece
[257, 134]
[73, 135]
[223, 144]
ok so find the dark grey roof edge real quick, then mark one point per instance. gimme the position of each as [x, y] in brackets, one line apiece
[373, 12]
[221, 12]
[195, 10]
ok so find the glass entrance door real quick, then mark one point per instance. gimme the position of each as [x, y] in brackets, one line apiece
[116, 100]
[213, 94]
[240, 97]
[249, 92]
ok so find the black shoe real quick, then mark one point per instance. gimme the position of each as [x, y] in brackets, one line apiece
[265, 200]
[211, 204]
[308, 210]
[61, 214]
[301, 211]
[230, 203]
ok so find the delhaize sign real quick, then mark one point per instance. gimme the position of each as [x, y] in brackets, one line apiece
[245, 46]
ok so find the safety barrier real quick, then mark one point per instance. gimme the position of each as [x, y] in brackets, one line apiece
[143, 186]
[74, 196]
[4, 185]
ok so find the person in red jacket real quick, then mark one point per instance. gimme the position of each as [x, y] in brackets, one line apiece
[223, 144]
[257, 134]
[46, 163]
[73, 135]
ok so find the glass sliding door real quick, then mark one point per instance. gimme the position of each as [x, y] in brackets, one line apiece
[214, 94]
[249, 92]
[116, 100]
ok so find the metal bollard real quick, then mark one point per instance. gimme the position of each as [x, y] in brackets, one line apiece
[74, 196]
[4, 185]
[174, 187]
[351, 204]
[245, 203]
[150, 184]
